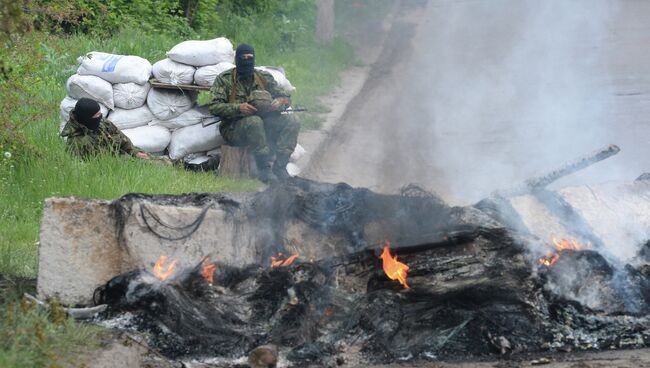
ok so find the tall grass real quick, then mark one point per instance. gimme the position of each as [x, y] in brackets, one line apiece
[33, 337]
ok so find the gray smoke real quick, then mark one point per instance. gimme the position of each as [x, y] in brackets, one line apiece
[515, 88]
[519, 87]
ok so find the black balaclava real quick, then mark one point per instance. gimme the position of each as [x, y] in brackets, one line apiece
[245, 67]
[84, 111]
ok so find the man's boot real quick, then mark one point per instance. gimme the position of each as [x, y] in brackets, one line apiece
[264, 172]
[280, 167]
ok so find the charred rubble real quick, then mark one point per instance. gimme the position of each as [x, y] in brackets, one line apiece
[474, 288]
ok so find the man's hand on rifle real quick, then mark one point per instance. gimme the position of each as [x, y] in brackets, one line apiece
[280, 103]
[247, 109]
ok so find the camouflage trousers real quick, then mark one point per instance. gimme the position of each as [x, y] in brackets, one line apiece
[275, 134]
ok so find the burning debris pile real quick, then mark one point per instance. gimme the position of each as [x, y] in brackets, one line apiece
[461, 284]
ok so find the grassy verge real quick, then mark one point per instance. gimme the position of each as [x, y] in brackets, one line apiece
[31, 336]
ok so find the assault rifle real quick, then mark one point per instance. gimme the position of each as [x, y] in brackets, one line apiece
[289, 110]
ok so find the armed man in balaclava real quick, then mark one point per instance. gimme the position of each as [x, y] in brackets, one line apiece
[88, 134]
[249, 103]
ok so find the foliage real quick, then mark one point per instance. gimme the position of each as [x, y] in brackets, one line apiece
[12, 19]
[107, 17]
[33, 337]
[184, 17]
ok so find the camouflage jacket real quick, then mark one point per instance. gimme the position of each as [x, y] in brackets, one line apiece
[221, 93]
[86, 143]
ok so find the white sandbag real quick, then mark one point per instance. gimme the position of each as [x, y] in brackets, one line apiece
[298, 152]
[169, 71]
[195, 115]
[279, 77]
[89, 86]
[168, 104]
[214, 153]
[202, 53]
[293, 169]
[130, 95]
[196, 158]
[205, 75]
[149, 138]
[194, 139]
[67, 105]
[133, 118]
[115, 68]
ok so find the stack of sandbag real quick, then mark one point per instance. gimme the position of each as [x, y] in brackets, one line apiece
[176, 110]
[161, 121]
[197, 62]
[115, 81]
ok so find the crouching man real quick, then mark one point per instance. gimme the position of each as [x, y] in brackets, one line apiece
[89, 134]
[249, 103]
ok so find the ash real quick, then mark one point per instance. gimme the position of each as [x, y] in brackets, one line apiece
[475, 290]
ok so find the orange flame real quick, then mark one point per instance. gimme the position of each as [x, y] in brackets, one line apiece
[162, 270]
[277, 261]
[208, 272]
[561, 245]
[394, 269]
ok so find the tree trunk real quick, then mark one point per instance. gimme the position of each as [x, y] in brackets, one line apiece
[325, 22]
[236, 162]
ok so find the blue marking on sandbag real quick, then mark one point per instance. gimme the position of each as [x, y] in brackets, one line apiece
[109, 64]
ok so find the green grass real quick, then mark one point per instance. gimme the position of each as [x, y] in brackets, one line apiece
[34, 337]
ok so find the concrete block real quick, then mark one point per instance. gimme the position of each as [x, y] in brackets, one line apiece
[78, 249]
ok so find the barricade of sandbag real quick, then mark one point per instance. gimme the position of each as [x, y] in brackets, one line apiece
[162, 121]
[115, 81]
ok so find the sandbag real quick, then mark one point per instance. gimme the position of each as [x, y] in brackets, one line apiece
[168, 104]
[202, 53]
[195, 115]
[293, 169]
[297, 153]
[169, 71]
[205, 76]
[279, 77]
[128, 119]
[149, 138]
[90, 86]
[130, 95]
[214, 152]
[67, 105]
[115, 68]
[193, 139]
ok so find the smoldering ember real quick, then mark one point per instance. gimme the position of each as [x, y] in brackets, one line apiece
[328, 274]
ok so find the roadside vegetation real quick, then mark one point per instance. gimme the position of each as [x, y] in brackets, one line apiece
[41, 41]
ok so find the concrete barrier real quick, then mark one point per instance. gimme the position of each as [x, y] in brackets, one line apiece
[84, 243]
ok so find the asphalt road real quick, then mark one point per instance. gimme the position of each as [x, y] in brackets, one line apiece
[476, 95]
